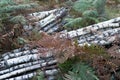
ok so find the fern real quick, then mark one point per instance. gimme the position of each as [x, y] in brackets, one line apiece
[8, 7]
[73, 23]
[73, 69]
[6, 2]
[69, 2]
[80, 22]
[92, 11]
[40, 76]
[100, 6]
[82, 5]
[81, 71]
[67, 65]
[19, 19]
[10, 15]
[16, 7]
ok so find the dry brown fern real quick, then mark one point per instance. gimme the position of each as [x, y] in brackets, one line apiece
[8, 40]
[105, 68]
[114, 50]
[61, 48]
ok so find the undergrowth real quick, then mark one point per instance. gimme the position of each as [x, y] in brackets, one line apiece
[87, 12]
[92, 62]
[77, 62]
[11, 21]
[77, 70]
[65, 51]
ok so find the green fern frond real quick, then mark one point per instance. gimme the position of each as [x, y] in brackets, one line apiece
[90, 13]
[67, 65]
[6, 2]
[19, 19]
[40, 76]
[100, 6]
[69, 2]
[81, 71]
[16, 7]
[73, 23]
[81, 21]
[83, 5]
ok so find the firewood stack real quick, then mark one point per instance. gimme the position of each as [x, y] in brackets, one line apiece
[101, 34]
[51, 21]
[22, 63]
[48, 21]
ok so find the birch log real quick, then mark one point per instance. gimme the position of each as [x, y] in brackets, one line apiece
[104, 38]
[17, 54]
[41, 15]
[102, 33]
[58, 14]
[16, 65]
[96, 27]
[26, 69]
[27, 76]
[47, 21]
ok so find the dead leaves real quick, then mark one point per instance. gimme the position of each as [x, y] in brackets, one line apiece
[62, 49]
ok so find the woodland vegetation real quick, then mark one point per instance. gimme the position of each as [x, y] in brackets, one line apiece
[93, 62]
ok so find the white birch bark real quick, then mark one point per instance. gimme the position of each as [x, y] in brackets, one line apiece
[8, 70]
[96, 34]
[23, 77]
[51, 72]
[51, 25]
[25, 48]
[104, 38]
[55, 28]
[52, 17]
[17, 54]
[42, 13]
[47, 22]
[89, 29]
[29, 68]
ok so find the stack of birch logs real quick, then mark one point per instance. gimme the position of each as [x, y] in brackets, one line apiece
[22, 63]
[101, 34]
[51, 21]
[48, 21]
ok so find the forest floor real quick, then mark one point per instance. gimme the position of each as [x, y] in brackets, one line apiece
[102, 64]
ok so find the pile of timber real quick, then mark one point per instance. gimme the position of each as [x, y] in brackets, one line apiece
[48, 21]
[51, 21]
[101, 34]
[22, 63]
